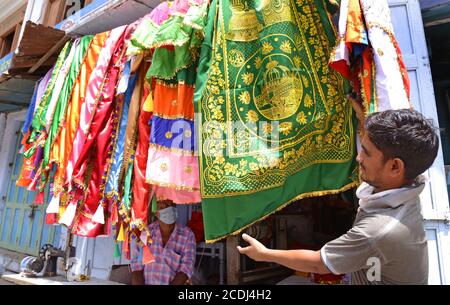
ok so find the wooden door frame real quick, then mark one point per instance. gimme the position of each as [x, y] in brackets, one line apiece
[8, 25]
[52, 20]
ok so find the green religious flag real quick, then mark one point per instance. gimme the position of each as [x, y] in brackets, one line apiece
[275, 124]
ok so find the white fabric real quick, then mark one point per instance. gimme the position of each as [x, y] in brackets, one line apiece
[99, 216]
[53, 206]
[69, 215]
[341, 50]
[390, 89]
[59, 84]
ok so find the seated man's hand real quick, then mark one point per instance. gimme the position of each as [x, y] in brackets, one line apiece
[256, 250]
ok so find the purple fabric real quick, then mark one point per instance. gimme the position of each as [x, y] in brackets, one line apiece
[177, 256]
[42, 86]
[37, 161]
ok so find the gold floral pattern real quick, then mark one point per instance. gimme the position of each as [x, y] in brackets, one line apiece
[301, 118]
[297, 61]
[286, 128]
[247, 78]
[286, 47]
[321, 130]
[267, 128]
[266, 48]
[163, 167]
[244, 97]
[258, 62]
[252, 116]
[308, 102]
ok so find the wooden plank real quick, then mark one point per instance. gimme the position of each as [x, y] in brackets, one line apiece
[54, 49]
[233, 260]
[16, 36]
[36, 47]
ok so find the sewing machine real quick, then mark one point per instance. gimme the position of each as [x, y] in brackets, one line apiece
[44, 265]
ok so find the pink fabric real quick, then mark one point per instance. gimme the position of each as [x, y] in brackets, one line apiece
[180, 6]
[178, 197]
[160, 13]
[170, 169]
[93, 91]
[163, 11]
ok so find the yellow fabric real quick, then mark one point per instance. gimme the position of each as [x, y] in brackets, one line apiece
[148, 104]
[121, 236]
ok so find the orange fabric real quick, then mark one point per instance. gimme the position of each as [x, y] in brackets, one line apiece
[367, 79]
[355, 23]
[177, 101]
[63, 146]
[24, 179]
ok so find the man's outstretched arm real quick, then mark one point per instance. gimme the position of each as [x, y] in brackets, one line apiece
[301, 260]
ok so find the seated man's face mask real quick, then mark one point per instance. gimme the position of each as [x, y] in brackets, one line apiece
[168, 215]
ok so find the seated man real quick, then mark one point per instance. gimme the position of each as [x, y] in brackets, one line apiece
[173, 248]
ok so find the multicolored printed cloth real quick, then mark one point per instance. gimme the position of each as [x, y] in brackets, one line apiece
[368, 55]
[276, 124]
[178, 255]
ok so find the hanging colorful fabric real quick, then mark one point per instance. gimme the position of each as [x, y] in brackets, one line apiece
[368, 54]
[38, 123]
[89, 108]
[276, 125]
[40, 198]
[72, 117]
[141, 190]
[147, 256]
[51, 148]
[117, 250]
[113, 179]
[89, 172]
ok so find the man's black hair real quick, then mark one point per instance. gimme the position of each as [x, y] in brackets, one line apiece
[404, 134]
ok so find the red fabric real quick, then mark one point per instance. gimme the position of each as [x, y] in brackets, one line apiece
[99, 141]
[147, 256]
[94, 153]
[40, 198]
[327, 278]
[196, 225]
[126, 246]
[51, 219]
[24, 179]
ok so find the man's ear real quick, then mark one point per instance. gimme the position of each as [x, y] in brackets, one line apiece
[397, 167]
